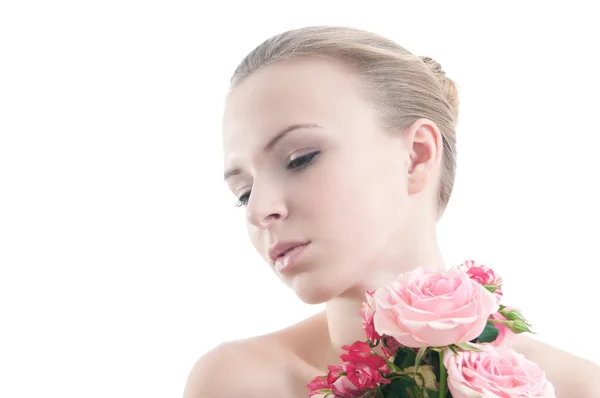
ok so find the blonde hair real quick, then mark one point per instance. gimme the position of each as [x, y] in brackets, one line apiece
[403, 87]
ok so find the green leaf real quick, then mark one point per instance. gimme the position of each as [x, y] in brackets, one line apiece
[405, 357]
[467, 346]
[394, 394]
[402, 385]
[420, 354]
[434, 362]
[490, 333]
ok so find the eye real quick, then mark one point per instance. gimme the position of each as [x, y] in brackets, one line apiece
[302, 162]
[243, 200]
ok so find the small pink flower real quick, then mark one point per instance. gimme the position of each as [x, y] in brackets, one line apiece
[367, 311]
[498, 372]
[361, 353]
[319, 387]
[506, 336]
[361, 371]
[317, 394]
[341, 384]
[483, 275]
[433, 308]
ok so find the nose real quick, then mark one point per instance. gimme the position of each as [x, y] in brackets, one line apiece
[266, 206]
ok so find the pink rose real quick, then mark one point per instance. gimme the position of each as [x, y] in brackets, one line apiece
[495, 372]
[483, 275]
[341, 384]
[506, 336]
[433, 308]
[340, 378]
[319, 387]
[367, 311]
[361, 371]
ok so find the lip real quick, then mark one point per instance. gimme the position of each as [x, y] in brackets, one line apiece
[278, 248]
[288, 260]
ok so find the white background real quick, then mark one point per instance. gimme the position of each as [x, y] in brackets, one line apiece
[122, 256]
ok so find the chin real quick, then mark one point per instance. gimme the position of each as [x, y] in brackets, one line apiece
[313, 289]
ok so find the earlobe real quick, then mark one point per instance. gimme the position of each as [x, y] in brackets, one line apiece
[425, 143]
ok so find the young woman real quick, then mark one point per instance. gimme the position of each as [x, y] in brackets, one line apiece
[340, 144]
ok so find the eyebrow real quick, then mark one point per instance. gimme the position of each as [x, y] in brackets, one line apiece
[272, 143]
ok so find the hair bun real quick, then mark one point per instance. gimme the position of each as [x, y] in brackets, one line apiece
[449, 87]
[433, 65]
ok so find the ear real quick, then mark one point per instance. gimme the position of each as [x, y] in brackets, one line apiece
[425, 145]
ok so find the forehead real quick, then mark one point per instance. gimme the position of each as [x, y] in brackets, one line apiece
[291, 92]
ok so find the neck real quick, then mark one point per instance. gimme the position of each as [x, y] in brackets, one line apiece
[343, 312]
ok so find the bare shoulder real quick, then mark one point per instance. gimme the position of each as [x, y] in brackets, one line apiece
[268, 365]
[570, 374]
[248, 368]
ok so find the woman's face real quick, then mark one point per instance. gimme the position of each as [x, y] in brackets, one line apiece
[306, 158]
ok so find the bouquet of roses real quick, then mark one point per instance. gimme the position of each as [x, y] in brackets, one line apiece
[436, 334]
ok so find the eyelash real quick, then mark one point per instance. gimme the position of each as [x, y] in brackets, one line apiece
[302, 162]
[243, 200]
[296, 165]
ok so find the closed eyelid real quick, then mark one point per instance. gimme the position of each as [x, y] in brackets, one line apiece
[303, 152]
[243, 190]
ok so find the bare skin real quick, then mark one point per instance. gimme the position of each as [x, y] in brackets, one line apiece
[310, 186]
[282, 363]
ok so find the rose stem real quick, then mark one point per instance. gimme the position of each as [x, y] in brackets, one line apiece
[442, 376]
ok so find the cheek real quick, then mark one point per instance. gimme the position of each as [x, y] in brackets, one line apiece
[361, 206]
[362, 194]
